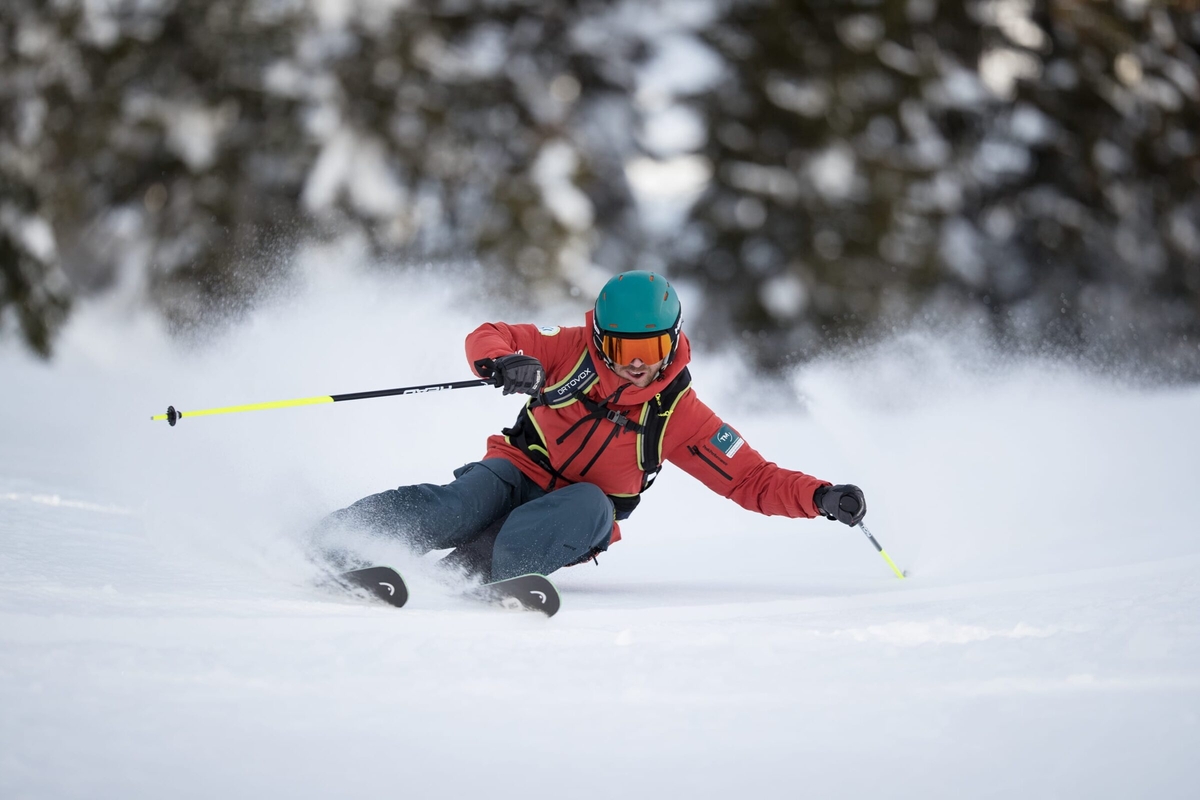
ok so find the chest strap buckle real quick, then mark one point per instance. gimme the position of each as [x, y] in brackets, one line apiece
[618, 419]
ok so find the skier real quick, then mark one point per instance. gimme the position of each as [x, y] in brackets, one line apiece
[610, 401]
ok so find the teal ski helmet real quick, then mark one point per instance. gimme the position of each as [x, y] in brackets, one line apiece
[637, 314]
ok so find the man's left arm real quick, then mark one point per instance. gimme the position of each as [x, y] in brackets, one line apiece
[713, 452]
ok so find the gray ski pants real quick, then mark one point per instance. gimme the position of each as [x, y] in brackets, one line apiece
[501, 523]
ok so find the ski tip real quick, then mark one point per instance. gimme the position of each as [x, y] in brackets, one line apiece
[384, 583]
[531, 592]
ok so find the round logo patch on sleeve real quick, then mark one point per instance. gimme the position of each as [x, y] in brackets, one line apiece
[727, 440]
[549, 330]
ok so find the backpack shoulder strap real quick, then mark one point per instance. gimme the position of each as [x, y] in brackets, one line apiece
[566, 391]
[655, 415]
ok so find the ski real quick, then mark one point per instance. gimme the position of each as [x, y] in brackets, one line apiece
[383, 582]
[531, 592]
[525, 592]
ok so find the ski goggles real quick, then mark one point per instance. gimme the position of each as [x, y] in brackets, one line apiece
[623, 350]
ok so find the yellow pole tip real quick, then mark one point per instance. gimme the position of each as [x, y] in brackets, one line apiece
[892, 564]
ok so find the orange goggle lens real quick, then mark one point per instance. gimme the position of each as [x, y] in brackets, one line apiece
[623, 351]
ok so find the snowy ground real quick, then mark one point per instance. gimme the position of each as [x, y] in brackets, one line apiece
[159, 636]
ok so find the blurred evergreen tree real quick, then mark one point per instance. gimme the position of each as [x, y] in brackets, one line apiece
[1103, 230]
[180, 150]
[479, 122]
[33, 292]
[158, 162]
[880, 160]
[31, 287]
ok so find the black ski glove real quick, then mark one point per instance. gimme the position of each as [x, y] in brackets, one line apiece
[844, 503]
[516, 373]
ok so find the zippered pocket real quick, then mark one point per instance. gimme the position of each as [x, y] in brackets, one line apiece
[696, 452]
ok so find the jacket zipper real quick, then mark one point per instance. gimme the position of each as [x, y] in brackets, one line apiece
[696, 452]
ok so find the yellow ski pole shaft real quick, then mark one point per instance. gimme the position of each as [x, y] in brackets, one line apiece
[899, 573]
[172, 416]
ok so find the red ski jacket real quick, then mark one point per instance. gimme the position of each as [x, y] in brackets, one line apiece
[694, 438]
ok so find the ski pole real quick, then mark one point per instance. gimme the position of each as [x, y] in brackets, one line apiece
[899, 573]
[172, 416]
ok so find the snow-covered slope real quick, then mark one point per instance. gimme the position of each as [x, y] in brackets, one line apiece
[159, 634]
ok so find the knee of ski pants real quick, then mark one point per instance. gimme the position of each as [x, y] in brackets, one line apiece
[554, 531]
[593, 507]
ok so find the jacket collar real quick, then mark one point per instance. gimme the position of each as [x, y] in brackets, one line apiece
[610, 381]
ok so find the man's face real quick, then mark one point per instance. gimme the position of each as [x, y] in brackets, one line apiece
[639, 373]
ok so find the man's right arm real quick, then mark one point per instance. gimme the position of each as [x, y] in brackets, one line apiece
[499, 346]
[489, 341]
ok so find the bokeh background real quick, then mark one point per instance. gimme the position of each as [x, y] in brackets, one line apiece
[817, 174]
